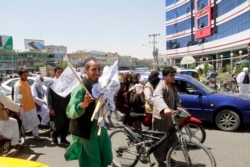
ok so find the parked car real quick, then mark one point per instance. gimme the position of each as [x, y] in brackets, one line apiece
[16, 162]
[8, 84]
[227, 110]
[191, 72]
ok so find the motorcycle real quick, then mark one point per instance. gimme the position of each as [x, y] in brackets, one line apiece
[190, 126]
[5, 144]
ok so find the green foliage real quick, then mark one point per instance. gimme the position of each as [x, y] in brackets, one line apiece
[220, 70]
[192, 66]
[205, 70]
[243, 64]
[37, 65]
[63, 64]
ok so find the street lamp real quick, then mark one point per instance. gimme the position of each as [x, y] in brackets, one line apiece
[221, 56]
[240, 52]
[231, 61]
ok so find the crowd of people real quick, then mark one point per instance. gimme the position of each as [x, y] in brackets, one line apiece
[72, 114]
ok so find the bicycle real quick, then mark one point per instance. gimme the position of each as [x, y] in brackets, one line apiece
[190, 126]
[129, 147]
[115, 118]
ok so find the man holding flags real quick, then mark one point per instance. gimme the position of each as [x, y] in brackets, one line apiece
[90, 143]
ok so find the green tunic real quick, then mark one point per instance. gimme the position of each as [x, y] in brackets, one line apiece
[95, 152]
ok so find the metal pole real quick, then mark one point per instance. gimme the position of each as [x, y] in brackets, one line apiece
[240, 52]
[231, 63]
[221, 56]
[12, 63]
[155, 53]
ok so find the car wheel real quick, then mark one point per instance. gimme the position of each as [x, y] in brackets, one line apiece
[227, 120]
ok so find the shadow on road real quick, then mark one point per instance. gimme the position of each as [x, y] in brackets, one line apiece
[243, 128]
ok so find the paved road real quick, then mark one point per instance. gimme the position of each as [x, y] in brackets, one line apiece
[231, 149]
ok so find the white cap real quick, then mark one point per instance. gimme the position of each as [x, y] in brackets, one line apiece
[245, 69]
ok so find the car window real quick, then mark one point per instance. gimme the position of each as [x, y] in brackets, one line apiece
[47, 82]
[12, 83]
[31, 81]
[196, 84]
[184, 87]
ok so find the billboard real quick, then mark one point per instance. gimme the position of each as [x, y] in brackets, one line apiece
[203, 17]
[6, 42]
[34, 44]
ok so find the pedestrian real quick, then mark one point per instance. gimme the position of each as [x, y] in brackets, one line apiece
[166, 99]
[39, 94]
[122, 97]
[243, 81]
[23, 96]
[91, 149]
[57, 107]
[9, 126]
[153, 80]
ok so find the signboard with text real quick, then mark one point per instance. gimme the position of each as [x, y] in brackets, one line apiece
[203, 17]
[6, 42]
[34, 44]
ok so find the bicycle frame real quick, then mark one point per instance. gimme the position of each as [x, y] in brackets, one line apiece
[147, 137]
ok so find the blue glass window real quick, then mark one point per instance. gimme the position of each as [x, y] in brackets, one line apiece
[201, 4]
[225, 6]
[178, 43]
[178, 27]
[170, 2]
[177, 12]
[202, 22]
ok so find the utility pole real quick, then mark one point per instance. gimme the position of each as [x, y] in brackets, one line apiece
[155, 50]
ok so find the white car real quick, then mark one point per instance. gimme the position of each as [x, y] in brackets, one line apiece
[8, 84]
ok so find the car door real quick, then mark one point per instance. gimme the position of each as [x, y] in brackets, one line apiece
[192, 98]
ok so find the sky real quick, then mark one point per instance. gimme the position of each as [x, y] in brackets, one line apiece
[121, 26]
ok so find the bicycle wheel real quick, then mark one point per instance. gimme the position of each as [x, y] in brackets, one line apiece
[193, 131]
[123, 149]
[115, 118]
[196, 155]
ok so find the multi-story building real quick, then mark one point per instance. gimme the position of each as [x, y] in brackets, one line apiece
[217, 31]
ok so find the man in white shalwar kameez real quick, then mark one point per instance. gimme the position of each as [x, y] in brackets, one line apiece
[243, 81]
[9, 127]
[39, 93]
[23, 95]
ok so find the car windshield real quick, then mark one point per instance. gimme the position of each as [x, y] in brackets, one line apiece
[205, 88]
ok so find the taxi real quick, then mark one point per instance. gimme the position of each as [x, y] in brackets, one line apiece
[16, 162]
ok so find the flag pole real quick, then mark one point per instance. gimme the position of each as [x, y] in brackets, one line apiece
[99, 100]
[79, 79]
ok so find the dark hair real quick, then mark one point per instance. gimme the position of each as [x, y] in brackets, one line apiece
[167, 70]
[153, 75]
[21, 71]
[87, 60]
[57, 68]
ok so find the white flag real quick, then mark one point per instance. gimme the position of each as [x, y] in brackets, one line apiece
[67, 81]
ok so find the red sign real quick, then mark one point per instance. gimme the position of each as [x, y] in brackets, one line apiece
[203, 19]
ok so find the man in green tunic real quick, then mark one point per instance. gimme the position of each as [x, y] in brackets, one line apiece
[90, 149]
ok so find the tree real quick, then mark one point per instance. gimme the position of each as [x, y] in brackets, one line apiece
[63, 64]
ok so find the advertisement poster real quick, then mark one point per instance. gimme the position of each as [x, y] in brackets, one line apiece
[34, 44]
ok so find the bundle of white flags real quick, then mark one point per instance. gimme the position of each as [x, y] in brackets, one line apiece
[104, 92]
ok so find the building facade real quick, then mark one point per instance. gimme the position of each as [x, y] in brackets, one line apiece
[217, 31]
